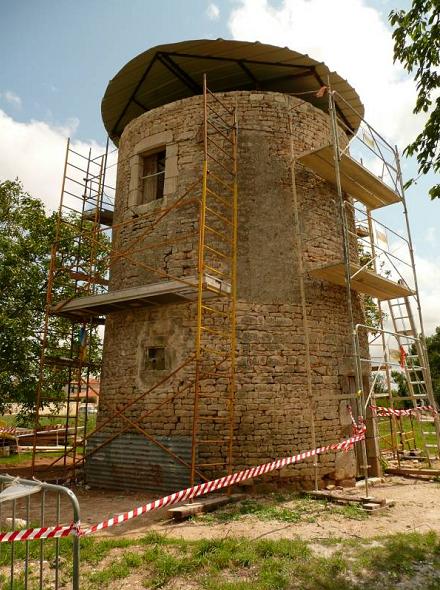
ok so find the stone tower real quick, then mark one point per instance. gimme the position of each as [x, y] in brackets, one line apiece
[293, 374]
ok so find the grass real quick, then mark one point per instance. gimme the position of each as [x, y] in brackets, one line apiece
[26, 457]
[289, 509]
[7, 420]
[21, 458]
[406, 561]
[48, 420]
[412, 440]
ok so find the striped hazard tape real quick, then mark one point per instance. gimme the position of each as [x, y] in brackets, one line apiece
[7, 430]
[226, 481]
[48, 532]
[382, 411]
[188, 493]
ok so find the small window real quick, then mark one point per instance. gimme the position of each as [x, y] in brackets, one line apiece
[153, 176]
[155, 359]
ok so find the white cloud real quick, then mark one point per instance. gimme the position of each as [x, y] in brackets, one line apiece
[351, 38]
[428, 280]
[398, 264]
[428, 276]
[11, 98]
[213, 11]
[431, 236]
[34, 152]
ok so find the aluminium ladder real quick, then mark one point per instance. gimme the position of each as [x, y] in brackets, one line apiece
[415, 366]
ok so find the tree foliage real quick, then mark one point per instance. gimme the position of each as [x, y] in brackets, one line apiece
[433, 347]
[373, 315]
[417, 46]
[26, 238]
[433, 351]
[26, 234]
[400, 380]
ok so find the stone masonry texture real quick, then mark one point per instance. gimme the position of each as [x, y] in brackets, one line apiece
[273, 409]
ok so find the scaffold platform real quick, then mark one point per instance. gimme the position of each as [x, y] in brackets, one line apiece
[364, 281]
[356, 180]
[171, 291]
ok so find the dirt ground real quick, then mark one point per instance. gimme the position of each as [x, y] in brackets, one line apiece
[417, 508]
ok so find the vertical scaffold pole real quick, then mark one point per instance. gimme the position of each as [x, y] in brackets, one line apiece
[44, 339]
[200, 271]
[233, 305]
[424, 361]
[392, 418]
[210, 341]
[299, 249]
[346, 247]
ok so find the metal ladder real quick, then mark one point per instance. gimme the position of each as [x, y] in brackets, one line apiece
[74, 260]
[214, 388]
[415, 365]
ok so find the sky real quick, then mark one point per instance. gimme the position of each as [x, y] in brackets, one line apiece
[57, 57]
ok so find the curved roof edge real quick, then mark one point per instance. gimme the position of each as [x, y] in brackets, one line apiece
[166, 73]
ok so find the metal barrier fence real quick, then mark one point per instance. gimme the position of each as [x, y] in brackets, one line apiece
[40, 563]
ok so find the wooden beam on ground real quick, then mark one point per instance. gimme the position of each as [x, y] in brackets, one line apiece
[202, 505]
[414, 473]
[368, 503]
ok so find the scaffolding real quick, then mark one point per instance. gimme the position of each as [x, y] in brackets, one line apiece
[82, 257]
[376, 265]
[76, 270]
[384, 275]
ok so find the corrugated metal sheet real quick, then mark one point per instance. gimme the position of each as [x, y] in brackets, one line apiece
[131, 462]
[171, 72]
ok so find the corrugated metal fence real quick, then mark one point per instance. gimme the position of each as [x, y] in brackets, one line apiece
[131, 462]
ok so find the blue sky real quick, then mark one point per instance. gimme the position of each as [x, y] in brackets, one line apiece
[58, 55]
[62, 53]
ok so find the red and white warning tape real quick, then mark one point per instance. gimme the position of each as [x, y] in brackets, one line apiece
[49, 532]
[8, 430]
[382, 411]
[188, 493]
[226, 481]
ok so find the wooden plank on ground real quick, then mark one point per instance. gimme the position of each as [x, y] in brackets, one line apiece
[202, 505]
[413, 472]
[375, 507]
[348, 499]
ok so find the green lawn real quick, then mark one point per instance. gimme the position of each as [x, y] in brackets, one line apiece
[23, 458]
[155, 561]
[10, 420]
[26, 457]
[286, 507]
[413, 433]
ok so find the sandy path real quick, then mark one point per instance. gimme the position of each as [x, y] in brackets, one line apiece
[417, 508]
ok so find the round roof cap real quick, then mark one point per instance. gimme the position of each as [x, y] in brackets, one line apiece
[166, 73]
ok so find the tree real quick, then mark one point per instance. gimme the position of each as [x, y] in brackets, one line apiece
[26, 234]
[26, 237]
[417, 47]
[433, 347]
[433, 351]
[400, 380]
[373, 315]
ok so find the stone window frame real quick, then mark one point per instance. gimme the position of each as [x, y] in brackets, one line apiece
[149, 145]
[149, 361]
[145, 374]
[153, 179]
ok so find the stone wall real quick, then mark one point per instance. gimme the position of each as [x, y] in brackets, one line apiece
[273, 410]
